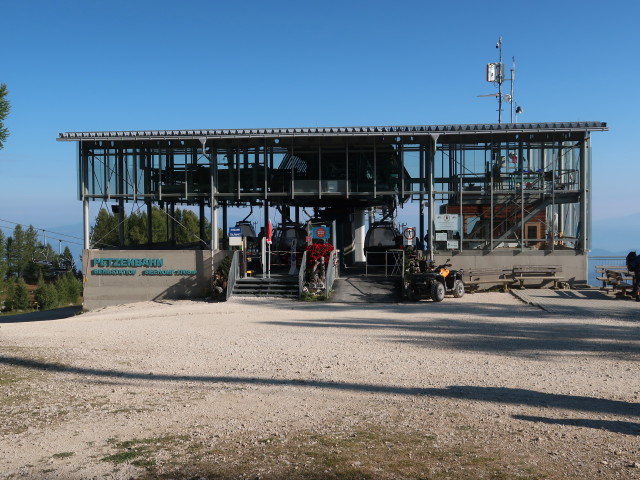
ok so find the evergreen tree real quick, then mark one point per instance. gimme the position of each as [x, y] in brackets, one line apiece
[3, 256]
[31, 245]
[188, 230]
[3, 265]
[136, 229]
[4, 111]
[104, 233]
[9, 287]
[18, 295]
[66, 262]
[15, 246]
[159, 225]
[46, 296]
[68, 288]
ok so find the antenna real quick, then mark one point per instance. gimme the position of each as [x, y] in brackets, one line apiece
[500, 80]
[513, 80]
[495, 74]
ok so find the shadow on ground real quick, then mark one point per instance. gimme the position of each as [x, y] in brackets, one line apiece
[615, 426]
[43, 316]
[502, 395]
[472, 327]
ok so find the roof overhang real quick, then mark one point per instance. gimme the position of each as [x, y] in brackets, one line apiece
[407, 130]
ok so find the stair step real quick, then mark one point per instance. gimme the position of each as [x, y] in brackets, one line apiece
[267, 287]
[265, 294]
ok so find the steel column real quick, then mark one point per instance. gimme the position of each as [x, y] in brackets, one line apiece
[83, 164]
[584, 194]
[421, 219]
[121, 217]
[214, 200]
[430, 194]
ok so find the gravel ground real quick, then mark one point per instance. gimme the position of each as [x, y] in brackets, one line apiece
[478, 387]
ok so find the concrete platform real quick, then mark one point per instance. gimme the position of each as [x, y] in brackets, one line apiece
[363, 289]
[587, 302]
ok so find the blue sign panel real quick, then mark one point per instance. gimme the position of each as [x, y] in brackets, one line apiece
[321, 232]
[235, 232]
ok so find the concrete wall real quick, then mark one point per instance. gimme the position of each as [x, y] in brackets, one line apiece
[113, 277]
[573, 263]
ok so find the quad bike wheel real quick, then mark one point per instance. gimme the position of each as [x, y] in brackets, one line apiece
[458, 289]
[437, 291]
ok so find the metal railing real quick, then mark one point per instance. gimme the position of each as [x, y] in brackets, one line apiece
[599, 260]
[234, 273]
[392, 262]
[332, 272]
[302, 273]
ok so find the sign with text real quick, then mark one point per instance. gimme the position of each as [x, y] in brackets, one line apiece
[235, 241]
[235, 232]
[135, 266]
[446, 222]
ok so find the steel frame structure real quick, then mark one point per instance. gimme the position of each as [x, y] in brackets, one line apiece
[514, 186]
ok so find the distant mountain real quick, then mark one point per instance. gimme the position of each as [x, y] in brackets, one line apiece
[616, 236]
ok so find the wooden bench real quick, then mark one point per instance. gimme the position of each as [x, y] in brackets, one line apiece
[496, 276]
[615, 277]
[542, 273]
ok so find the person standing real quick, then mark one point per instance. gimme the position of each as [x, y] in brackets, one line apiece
[633, 265]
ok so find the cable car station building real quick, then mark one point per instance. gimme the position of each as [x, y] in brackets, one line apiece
[490, 195]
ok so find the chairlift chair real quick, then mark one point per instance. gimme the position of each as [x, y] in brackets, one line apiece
[286, 233]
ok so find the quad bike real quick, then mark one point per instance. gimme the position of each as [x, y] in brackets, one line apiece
[425, 280]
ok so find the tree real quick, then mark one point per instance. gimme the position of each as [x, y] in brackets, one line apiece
[15, 246]
[188, 230]
[30, 269]
[3, 256]
[159, 225]
[17, 295]
[68, 288]
[47, 296]
[136, 229]
[104, 233]
[4, 111]
[67, 262]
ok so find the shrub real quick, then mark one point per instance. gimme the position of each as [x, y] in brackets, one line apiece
[47, 296]
[223, 268]
[69, 289]
[17, 295]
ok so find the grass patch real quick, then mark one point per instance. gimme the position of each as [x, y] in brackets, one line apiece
[368, 452]
[139, 452]
[8, 378]
[464, 428]
[63, 455]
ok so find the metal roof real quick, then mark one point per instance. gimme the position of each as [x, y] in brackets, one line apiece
[335, 131]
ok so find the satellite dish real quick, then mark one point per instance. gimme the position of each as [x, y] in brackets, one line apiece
[507, 98]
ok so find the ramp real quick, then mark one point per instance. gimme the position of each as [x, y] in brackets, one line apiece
[363, 289]
[581, 303]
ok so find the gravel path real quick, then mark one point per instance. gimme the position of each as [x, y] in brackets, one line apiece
[468, 388]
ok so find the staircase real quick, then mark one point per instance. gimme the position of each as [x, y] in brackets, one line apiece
[276, 286]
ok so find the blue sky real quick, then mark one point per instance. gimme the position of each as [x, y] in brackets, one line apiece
[145, 65]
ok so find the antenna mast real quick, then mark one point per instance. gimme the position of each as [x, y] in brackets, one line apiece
[500, 79]
[495, 74]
